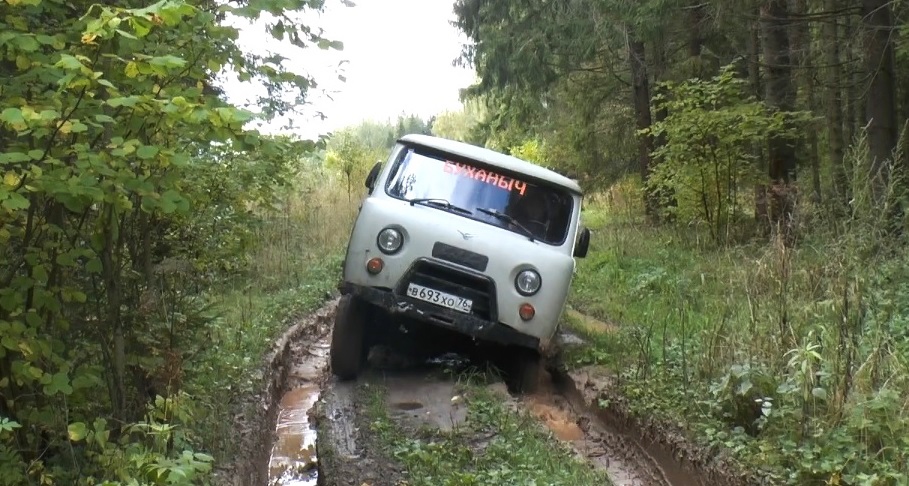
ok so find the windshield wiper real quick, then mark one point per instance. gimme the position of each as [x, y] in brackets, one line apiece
[438, 202]
[508, 219]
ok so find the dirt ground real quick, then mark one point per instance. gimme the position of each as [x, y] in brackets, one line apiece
[311, 429]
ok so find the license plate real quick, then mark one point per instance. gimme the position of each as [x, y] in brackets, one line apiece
[439, 298]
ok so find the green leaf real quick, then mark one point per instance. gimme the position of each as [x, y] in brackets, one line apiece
[126, 34]
[6, 424]
[140, 25]
[147, 151]
[26, 42]
[94, 265]
[59, 383]
[15, 201]
[48, 115]
[33, 319]
[172, 201]
[45, 39]
[12, 115]
[23, 62]
[76, 431]
[168, 61]
[131, 70]
[86, 380]
[124, 101]
[69, 62]
[39, 273]
[14, 158]
[278, 30]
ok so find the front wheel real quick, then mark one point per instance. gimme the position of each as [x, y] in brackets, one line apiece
[526, 371]
[347, 338]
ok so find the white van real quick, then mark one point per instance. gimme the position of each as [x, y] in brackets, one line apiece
[463, 238]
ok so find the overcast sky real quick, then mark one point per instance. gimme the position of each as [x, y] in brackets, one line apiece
[399, 57]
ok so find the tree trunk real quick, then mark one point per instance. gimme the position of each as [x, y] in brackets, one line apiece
[833, 105]
[754, 78]
[637, 60]
[880, 104]
[781, 96]
[852, 85]
[111, 275]
[802, 56]
[696, 21]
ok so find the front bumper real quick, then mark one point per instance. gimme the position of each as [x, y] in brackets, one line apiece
[472, 326]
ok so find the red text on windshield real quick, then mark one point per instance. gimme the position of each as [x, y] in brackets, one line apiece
[486, 176]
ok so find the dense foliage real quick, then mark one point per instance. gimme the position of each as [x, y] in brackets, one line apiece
[128, 187]
[590, 81]
[353, 150]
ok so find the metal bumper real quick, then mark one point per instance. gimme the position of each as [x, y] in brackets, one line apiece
[474, 327]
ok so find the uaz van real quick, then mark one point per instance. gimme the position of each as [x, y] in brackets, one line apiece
[464, 239]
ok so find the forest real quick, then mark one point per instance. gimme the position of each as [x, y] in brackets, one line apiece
[744, 168]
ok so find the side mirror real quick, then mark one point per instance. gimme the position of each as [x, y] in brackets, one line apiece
[580, 250]
[373, 174]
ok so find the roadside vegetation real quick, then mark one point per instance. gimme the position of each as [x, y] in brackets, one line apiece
[793, 358]
[153, 242]
[131, 195]
[495, 445]
[747, 192]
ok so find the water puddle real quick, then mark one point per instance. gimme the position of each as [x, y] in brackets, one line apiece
[634, 459]
[407, 405]
[559, 422]
[293, 457]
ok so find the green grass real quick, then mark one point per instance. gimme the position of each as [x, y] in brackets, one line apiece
[494, 446]
[792, 358]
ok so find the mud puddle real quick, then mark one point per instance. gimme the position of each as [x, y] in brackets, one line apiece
[604, 440]
[425, 393]
[600, 438]
[293, 460]
[591, 440]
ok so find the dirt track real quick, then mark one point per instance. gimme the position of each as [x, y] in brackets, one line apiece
[322, 434]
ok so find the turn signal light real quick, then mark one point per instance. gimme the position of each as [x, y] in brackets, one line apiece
[526, 311]
[375, 265]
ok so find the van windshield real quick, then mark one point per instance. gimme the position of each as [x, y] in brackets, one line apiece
[542, 210]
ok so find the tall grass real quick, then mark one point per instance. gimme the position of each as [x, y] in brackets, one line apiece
[312, 221]
[293, 266]
[796, 357]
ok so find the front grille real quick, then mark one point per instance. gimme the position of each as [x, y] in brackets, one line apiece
[444, 278]
[460, 256]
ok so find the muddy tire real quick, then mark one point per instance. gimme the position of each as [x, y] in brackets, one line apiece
[526, 370]
[348, 338]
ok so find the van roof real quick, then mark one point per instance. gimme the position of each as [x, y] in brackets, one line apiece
[491, 157]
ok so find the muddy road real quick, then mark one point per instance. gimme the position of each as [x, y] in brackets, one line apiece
[323, 432]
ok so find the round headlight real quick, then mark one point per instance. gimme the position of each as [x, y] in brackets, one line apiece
[389, 240]
[528, 282]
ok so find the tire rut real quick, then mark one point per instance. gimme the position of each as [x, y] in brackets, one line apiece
[335, 447]
[603, 443]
